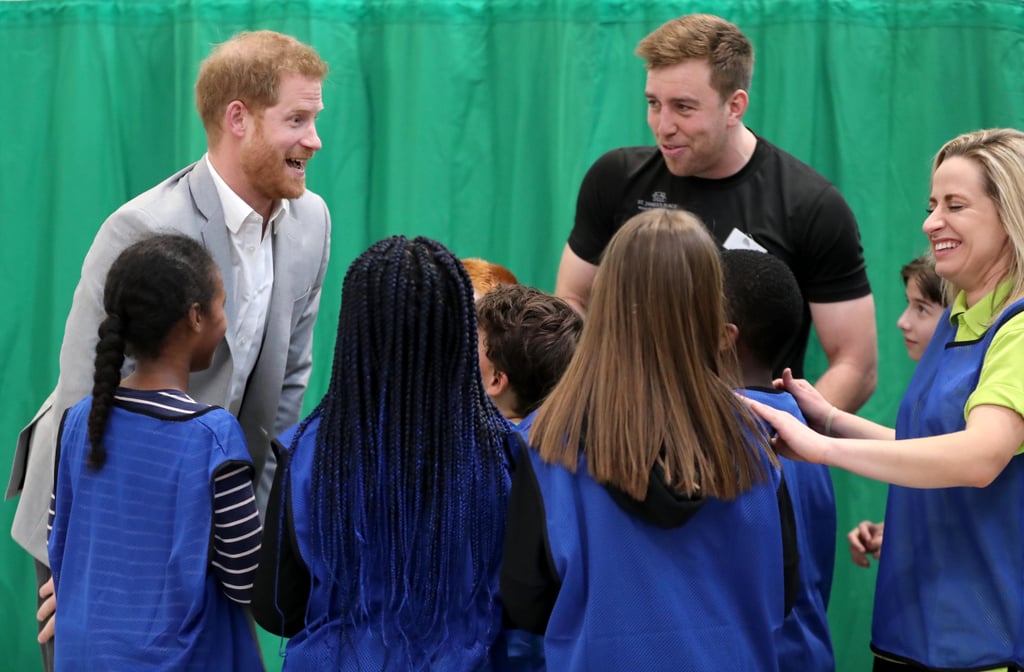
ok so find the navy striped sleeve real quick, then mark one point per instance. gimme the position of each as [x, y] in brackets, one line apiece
[237, 531]
[52, 512]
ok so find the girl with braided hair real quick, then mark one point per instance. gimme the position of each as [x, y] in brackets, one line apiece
[154, 532]
[391, 495]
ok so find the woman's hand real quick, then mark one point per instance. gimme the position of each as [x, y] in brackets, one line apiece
[815, 407]
[793, 439]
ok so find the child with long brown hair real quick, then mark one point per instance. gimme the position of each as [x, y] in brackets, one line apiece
[645, 530]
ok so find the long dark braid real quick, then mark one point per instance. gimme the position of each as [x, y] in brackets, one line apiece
[149, 288]
[410, 453]
[107, 375]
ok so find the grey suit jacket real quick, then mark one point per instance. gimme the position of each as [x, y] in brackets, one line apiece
[188, 203]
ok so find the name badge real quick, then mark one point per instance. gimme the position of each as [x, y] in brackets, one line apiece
[738, 240]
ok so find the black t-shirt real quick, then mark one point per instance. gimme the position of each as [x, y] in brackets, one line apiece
[783, 204]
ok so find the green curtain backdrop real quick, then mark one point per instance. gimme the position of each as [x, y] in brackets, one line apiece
[471, 121]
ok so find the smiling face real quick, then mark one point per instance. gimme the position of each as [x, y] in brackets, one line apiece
[971, 247]
[689, 120]
[283, 138]
[918, 320]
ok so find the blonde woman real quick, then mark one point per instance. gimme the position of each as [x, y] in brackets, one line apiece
[950, 588]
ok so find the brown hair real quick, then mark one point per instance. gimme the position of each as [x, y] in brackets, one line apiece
[999, 153]
[922, 271]
[486, 275]
[651, 381]
[249, 67]
[704, 37]
[530, 336]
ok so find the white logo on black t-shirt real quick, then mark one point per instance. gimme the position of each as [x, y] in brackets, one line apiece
[658, 200]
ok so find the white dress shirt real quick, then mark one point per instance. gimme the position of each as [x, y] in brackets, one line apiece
[252, 269]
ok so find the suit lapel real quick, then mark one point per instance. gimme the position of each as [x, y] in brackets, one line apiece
[282, 294]
[215, 236]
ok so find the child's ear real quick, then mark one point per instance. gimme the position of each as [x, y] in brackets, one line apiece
[732, 335]
[502, 381]
[496, 383]
[195, 317]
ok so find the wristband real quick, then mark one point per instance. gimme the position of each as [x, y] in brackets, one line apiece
[828, 421]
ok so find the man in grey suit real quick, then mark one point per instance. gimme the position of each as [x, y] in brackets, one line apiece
[259, 95]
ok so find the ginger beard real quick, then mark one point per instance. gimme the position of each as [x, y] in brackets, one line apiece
[270, 171]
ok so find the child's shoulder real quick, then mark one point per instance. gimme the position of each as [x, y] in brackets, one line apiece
[219, 420]
[224, 434]
[302, 431]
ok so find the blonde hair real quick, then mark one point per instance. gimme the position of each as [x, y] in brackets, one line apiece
[999, 153]
[486, 275]
[651, 380]
[249, 68]
[706, 37]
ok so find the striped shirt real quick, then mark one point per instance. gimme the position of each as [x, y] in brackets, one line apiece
[237, 530]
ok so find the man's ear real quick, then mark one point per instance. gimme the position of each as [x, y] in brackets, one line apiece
[236, 118]
[737, 105]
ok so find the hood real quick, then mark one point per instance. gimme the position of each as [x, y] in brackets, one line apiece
[662, 507]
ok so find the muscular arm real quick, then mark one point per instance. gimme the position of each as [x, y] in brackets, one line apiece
[594, 225]
[847, 333]
[575, 278]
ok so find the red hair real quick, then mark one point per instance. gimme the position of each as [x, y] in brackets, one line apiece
[485, 275]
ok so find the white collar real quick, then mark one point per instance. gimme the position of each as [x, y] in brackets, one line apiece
[236, 211]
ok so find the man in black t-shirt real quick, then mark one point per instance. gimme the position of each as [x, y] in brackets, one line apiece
[749, 193]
